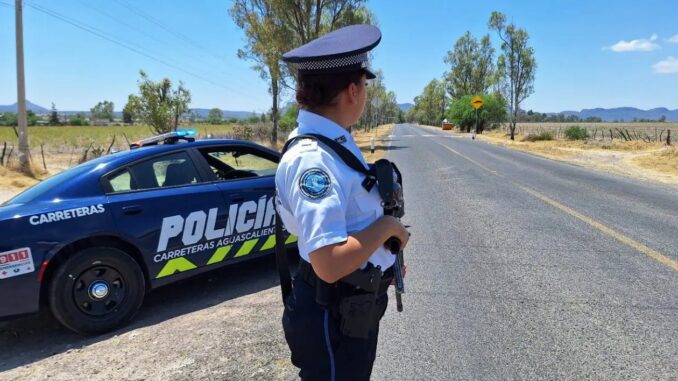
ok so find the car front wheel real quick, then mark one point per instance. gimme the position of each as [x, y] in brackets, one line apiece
[96, 290]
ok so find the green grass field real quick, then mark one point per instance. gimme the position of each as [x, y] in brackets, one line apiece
[83, 136]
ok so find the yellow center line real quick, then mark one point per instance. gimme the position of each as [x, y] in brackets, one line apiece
[654, 254]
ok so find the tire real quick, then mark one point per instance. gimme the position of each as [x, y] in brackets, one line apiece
[96, 290]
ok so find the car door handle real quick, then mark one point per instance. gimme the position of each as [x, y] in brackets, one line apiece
[132, 209]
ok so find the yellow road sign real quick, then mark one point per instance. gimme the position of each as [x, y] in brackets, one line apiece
[477, 102]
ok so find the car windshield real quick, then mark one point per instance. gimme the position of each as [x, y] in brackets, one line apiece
[48, 184]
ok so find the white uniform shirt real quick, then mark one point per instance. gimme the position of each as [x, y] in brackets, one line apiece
[321, 200]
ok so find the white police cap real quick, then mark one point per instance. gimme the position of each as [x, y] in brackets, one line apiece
[339, 51]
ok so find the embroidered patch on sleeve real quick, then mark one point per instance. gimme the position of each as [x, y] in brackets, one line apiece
[315, 183]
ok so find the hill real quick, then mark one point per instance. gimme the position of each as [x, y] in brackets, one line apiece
[29, 106]
[201, 112]
[405, 106]
[626, 114]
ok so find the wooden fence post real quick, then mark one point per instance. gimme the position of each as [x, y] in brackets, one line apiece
[668, 138]
[42, 152]
[2, 158]
[110, 146]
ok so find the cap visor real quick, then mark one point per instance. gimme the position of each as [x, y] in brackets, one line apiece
[369, 74]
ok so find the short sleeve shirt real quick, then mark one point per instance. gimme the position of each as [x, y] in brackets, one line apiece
[320, 199]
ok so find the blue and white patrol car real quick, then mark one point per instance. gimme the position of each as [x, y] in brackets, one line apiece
[89, 242]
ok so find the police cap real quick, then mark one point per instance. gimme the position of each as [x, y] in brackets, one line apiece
[339, 51]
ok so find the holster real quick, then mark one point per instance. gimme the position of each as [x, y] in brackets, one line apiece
[353, 299]
[357, 314]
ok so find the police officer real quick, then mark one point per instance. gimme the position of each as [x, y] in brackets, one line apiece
[331, 323]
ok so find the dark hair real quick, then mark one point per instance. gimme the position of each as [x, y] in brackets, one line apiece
[318, 90]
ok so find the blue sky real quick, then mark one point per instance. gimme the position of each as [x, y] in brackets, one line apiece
[590, 54]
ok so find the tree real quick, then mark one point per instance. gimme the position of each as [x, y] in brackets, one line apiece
[53, 116]
[267, 38]
[78, 120]
[462, 114]
[128, 114]
[158, 104]
[8, 119]
[516, 65]
[31, 118]
[103, 110]
[273, 27]
[381, 106]
[288, 121]
[471, 66]
[215, 116]
[429, 107]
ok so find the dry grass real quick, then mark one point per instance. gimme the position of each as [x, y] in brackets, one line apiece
[638, 159]
[601, 131]
[380, 133]
[664, 161]
[12, 181]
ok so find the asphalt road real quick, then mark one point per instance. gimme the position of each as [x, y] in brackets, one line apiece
[520, 268]
[527, 268]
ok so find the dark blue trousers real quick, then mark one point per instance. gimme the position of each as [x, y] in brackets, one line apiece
[318, 347]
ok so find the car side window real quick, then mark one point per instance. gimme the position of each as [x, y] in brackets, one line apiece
[238, 163]
[159, 172]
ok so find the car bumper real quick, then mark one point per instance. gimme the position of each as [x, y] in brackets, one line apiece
[19, 295]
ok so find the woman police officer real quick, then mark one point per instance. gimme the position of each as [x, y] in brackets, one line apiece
[340, 224]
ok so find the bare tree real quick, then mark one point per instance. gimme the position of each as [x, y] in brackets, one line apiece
[273, 27]
[516, 65]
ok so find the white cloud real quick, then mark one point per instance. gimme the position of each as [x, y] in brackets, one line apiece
[667, 66]
[673, 39]
[640, 45]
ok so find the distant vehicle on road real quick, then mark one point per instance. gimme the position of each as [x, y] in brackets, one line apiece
[90, 241]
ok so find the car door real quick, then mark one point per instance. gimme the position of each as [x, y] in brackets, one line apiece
[246, 177]
[168, 209]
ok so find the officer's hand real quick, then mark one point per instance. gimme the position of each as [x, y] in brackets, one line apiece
[399, 232]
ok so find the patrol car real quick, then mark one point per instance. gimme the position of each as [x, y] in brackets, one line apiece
[90, 241]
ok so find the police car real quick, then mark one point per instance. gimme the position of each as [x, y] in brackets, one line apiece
[90, 241]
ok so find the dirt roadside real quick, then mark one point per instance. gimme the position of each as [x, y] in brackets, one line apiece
[223, 325]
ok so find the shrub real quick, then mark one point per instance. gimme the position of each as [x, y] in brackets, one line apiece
[576, 133]
[77, 121]
[544, 135]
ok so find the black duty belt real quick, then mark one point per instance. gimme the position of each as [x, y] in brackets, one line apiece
[310, 277]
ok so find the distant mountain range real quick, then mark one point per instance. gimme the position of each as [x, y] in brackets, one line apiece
[201, 112]
[405, 106]
[626, 114]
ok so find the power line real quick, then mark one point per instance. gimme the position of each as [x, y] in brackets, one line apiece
[116, 19]
[103, 35]
[139, 12]
[159, 23]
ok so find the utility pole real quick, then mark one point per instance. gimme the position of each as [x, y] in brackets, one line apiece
[24, 153]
